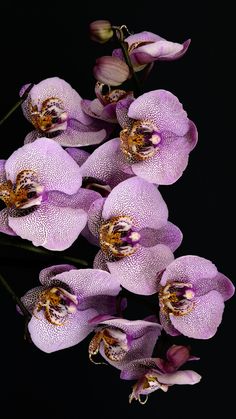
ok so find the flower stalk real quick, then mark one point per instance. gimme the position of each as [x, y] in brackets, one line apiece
[17, 104]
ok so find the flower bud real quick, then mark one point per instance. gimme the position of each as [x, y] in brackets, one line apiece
[101, 31]
[110, 70]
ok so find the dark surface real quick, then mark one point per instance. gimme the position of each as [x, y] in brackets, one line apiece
[45, 41]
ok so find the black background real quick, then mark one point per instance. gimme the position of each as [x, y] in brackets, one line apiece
[42, 41]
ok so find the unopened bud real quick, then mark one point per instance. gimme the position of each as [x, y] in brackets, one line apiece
[111, 70]
[100, 31]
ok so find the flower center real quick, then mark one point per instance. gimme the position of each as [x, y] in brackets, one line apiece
[57, 304]
[25, 193]
[176, 298]
[118, 238]
[51, 117]
[114, 341]
[140, 142]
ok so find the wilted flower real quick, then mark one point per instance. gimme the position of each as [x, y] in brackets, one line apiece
[146, 47]
[135, 237]
[156, 373]
[120, 341]
[40, 186]
[100, 31]
[54, 108]
[110, 70]
[65, 303]
[192, 296]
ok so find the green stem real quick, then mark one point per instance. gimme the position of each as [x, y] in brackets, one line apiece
[20, 101]
[33, 249]
[124, 47]
[17, 300]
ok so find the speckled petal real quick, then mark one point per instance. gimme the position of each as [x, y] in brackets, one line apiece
[170, 235]
[54, 228]
[122, 109]
[168, 164]
[167, 325]
[202, 322]
[138, 273]
[163, 109]
[47, 275]
[31, 298]
[137, 368]
[90, 282]
[138, 199]
[106, 164]
[2, 171]
[100, 261]
[50, 338]
[95, 216]
[4, 226]
[219, 283]
[55, 169]
[79, 155]
[83, 199]
[189, 269]
[81, 135]
[142, 334]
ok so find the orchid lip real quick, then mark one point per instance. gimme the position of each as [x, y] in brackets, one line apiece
[25, 194]
[57, 304]
[118, 237]
[140, 142]
[176, 298]
[115, 343]
[52, 116]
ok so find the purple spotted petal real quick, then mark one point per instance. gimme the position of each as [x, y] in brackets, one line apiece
[2, 171]
[47, 275]
[52, 227]
[82, 135]
[170, 235]
[83, 199]
[96, 109]
[137, 368]
[142, 336]
[79, 156]
[106, 164]
[50, 338]
[100, 261]
[138, 273]
[4, 226]
[55, 169]
[138, 199]
[218, 283]
[163, 109]
[122, 109]
[31, 298]
[169, 162]
[167, 325]
[180, 377]
[202, 322]
[90, 282]
[95, 216]
[189, 269]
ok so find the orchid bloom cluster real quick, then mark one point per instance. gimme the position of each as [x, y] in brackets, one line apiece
[53, 190]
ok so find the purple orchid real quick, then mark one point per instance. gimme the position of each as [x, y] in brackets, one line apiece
[104, 106]
[192, 296]
[64, 304]
[154, 144]
[135, 237]
[120, 341]
[156, 373]
[54, 108]
[110, 70]
[146, 47]
[40, 186]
